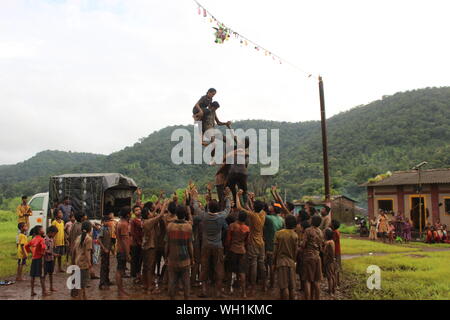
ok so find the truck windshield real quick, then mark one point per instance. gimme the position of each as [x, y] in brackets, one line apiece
[37, 203]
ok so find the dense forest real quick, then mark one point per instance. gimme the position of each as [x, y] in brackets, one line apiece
[393, 133]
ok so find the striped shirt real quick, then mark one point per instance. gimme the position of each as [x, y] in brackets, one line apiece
[179, 240]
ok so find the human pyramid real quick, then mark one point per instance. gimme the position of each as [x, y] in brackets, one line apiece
[235, 244]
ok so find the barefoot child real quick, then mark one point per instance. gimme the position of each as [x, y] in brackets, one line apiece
[67, 228]
[123, 248]
[335, 224]
[312, 267]
[391, 232]
[37, 247]
[82, 252]
[284, 256]
[236, 259]
[59, 241]
[329, 264]
[21, 252]
[49, 258]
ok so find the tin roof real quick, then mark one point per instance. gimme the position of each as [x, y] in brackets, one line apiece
[411, 177]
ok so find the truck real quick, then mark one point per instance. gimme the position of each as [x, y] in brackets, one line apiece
[92, 194]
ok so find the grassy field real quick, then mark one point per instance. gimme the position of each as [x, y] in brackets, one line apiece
[348, 229]
[8, 249]
[355, 246]
[418, 275]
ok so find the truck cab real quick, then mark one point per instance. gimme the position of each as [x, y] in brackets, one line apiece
[39, 206]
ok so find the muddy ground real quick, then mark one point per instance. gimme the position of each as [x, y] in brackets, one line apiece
[22, 291]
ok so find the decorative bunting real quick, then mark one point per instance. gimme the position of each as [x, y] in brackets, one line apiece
[223, 33]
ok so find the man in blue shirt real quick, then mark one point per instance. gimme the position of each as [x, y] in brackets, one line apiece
[66, 208]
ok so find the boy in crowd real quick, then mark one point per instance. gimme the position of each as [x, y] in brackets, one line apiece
[67, 228]
[255, 249]
[212, 247]
[21, 252]
[335, 224]
[273, 224]
[136, 244]
[50, 254]
[123, 248]
[284, 256]
[312, 245]
[179, 252]
[112, 225]
[104, 241]
[82, 253]
[329, 264]
[149, 246]
[236, 260]
[24, 212]
[37, 247]
[60, 242]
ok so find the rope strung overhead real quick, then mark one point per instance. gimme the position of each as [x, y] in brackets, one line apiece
[224, 33]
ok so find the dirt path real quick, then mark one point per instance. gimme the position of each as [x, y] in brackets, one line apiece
[21, 291]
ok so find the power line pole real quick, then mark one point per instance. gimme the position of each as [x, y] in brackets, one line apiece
[323, 120]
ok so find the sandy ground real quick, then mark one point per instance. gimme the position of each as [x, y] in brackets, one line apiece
[22, 291]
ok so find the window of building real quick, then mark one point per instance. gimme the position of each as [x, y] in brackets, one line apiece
[447, 205]
[386, 204]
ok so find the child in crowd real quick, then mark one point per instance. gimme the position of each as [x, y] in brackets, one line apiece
[60, 241]
[312, 267]
[373, 229]
[37, 247]
[407, 226]
[329, 264]
[236, 259]
[82, 251]
[104, 241]
[391, 232]
[335, 224]
[21, 252]
[49, 258]
[96, 245]
[111, 224]
[67, 228]
[285, 254]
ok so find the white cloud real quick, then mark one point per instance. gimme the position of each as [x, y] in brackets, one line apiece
[95, 76]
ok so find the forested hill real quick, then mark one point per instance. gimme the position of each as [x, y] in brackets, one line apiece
[32, 175]
[393, 133]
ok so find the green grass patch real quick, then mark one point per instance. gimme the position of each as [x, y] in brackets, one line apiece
[355, 246]
[8, 248]
[428, 246]
[348, 229]
[416, 276]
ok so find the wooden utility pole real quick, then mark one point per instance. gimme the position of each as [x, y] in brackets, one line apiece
[323, 120]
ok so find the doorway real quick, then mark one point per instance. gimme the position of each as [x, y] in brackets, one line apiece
[416, 203]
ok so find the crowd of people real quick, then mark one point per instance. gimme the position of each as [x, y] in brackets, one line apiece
[391, 227]
[242, 247]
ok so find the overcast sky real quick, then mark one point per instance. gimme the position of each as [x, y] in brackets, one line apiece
[97, 75]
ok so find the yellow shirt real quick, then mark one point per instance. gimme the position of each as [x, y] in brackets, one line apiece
[23, 240]
[256, 224]
[59, 237]
[21, 211]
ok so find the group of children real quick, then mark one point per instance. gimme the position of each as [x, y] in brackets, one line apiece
[175, 244]
[436, 233]
[399, 228]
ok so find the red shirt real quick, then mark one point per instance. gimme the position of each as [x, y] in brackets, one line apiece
[37, 246]
[337, 242]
